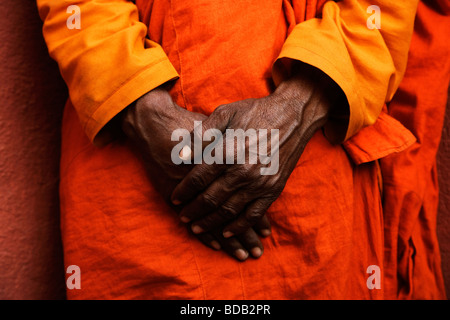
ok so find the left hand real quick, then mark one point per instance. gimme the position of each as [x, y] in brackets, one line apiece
[149, 124]
[215, 194]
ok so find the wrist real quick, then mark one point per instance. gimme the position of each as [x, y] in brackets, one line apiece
[307, 97]
[306, 79]
[137, 115]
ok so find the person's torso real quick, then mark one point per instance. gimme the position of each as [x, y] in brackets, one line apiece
[223, 50]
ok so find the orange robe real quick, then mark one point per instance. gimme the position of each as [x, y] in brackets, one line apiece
[412, 257]
[328, 222]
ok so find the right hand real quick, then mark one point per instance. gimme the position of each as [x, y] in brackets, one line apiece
[149, 124]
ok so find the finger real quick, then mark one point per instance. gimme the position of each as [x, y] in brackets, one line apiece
[210, 199]
[263, 227]
[209, 240]
[203, 174]
[250, 240]
[232, 246]
[252, 215]
[226, 212]
[197, 180]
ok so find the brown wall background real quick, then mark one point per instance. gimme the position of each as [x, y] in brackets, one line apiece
[32, 96]
[443, 228]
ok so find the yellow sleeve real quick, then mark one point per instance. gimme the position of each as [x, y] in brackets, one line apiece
[108, 63]
[367, 64]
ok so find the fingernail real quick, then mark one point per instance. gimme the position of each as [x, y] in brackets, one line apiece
[197, 229]
[176, 202]
[256, 252]
[241, 254]
[185, 219]
[228, 234]
[185, 153]
[266, 232]
[215, 245]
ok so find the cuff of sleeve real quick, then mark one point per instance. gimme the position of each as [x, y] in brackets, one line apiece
[143, 82]
[312, 50]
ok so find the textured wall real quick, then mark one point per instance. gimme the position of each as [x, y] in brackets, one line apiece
[443, 161]
[31, 96]
[31, 99]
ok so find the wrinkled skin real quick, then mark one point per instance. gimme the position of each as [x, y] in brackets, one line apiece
[238, 195]
[149, 125]
[225, 204]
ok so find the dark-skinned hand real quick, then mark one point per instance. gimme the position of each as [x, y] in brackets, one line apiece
[149, 124]
[238, 195]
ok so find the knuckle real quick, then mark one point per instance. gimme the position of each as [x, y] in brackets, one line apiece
[232, 182]
[221, 112]
[206, 223]
[243, 224]
[244, 171]
[254, 215]
[209, 200]
[228, 210]
[198, 181]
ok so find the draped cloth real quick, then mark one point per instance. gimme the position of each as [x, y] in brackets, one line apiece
[412, 257]
[329, 223]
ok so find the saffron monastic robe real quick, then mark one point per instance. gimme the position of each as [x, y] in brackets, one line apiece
[412, 257]
[328, 224]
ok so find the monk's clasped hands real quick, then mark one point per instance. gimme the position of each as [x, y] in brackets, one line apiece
[235, 197]
[149, 124]
[225, 204]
